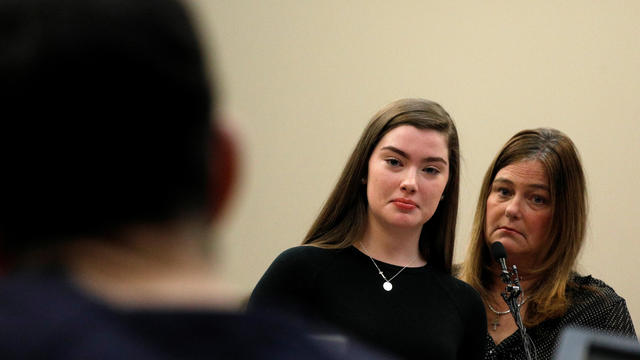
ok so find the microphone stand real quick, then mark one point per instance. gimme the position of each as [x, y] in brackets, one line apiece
[510, 295]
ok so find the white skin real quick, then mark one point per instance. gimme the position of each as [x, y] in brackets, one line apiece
[407, 174]
[518, 214]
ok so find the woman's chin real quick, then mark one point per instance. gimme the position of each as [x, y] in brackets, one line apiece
[404, 223]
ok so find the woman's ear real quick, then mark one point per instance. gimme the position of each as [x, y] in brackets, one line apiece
[222, 169]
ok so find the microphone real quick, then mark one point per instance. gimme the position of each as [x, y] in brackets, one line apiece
[511, 294]
[499, 254]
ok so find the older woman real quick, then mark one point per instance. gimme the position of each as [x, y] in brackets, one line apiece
[377, 265]
[533, 200]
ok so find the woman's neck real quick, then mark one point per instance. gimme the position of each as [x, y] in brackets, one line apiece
[394, 246]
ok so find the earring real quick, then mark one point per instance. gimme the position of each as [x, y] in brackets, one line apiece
[442, 197]
[363, 180]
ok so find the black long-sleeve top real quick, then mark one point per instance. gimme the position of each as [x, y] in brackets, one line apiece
[428, 314]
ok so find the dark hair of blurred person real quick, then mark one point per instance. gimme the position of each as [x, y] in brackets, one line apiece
[109, 106]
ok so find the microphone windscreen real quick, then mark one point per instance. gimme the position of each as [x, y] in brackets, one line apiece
[498, 251]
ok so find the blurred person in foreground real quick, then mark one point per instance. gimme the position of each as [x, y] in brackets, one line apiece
[114, 166]
[534, 201]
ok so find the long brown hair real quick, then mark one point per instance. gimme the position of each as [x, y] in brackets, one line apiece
[560, 158]
[343, 218]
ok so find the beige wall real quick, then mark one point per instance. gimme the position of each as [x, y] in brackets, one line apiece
[302, 78]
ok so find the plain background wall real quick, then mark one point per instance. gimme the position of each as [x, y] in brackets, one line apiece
[300, 79]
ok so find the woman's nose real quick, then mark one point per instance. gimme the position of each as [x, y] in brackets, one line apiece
[409, 182]
[512, 211]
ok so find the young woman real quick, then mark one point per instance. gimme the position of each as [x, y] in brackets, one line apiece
[377, 260]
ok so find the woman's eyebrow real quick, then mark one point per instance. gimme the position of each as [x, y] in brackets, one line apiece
[503, 181]
[509, 182]
[405, 155]
[395, 150]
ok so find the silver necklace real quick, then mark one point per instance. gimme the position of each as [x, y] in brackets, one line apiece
[387, 282]
[496, 321]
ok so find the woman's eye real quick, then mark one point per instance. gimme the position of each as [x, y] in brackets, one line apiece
[503, 191]
[393, 162]
[431, 170]
[538, 200]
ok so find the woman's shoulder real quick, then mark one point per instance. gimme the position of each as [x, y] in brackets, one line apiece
[306, 252]
[452, 282]
[464, 298]
[458, 291]
[592, 297]
[595, 304]
[305, 256]
[587, 288]
[288, 277]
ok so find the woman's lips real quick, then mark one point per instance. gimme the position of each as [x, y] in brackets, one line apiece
[404, 204]
[510, 230]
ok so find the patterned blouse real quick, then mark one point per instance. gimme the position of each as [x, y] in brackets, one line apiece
[601, 310]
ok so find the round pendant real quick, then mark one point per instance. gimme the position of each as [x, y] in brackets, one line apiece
[387, 286]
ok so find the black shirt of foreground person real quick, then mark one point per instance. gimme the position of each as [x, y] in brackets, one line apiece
[48, 318]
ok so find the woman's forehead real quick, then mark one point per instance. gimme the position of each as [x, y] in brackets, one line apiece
[413, 141]
[526, 172]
